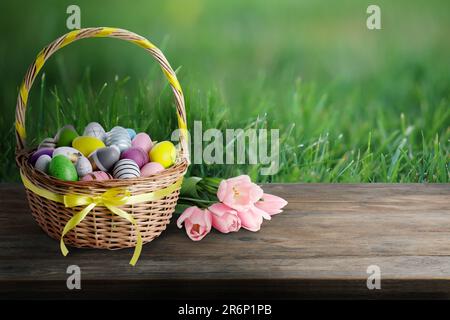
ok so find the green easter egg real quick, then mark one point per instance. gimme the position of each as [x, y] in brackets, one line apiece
[62, 168]
[66, 136]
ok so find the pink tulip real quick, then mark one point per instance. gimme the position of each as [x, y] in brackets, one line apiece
[224, 218]
[252, 218]
[239, 193]
[271, 204]
[196, 221]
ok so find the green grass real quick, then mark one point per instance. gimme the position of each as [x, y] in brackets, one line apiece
[323, 139]
[351, 105]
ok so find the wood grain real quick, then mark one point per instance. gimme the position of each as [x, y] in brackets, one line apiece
[320, 246]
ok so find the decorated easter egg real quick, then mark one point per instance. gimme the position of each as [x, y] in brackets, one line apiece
[136, 154]
[119, 137]
[131, 133]
[40, 152]
[70, 153]
[43, 162]
[126, 169]
[97, 176]
[163, 152]
[104, 158]
[94, 129]
[143, 141]
[86, 145]
[151, 168]
[67, 126]
[47, 143]
[65, 136]
[62, 168]
[83, 166]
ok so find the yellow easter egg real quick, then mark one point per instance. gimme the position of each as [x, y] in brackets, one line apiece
[86, 144]
[164, 153]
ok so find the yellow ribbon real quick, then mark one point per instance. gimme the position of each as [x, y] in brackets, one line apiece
[111, 199]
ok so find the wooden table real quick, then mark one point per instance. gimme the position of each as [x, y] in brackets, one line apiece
[320, 247]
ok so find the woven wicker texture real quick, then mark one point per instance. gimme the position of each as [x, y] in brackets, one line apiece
[101, 228]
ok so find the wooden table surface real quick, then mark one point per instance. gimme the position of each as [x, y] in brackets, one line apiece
[319, 247]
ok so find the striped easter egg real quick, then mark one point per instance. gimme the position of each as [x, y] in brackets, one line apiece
[47, 143]
[119, 137]
[126, 169]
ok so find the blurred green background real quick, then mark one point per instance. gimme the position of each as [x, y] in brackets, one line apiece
[352, 105]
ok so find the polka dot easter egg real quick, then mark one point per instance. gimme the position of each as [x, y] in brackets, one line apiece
[126, 169]
[119, 137]
[94, 129]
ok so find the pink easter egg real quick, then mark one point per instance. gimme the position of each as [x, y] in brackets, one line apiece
[143, 141]
[97, 176]
[136, 154]
[151, 168]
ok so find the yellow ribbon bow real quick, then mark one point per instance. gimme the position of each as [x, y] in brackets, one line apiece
[111, 199]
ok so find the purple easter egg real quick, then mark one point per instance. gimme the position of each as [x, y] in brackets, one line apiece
[143, 141]
[151, 168]
[136, 154]
[40, 152]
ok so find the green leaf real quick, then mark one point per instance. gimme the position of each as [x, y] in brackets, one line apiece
[189, 187]
[181, 207]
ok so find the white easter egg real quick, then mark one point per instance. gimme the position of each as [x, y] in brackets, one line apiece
[83, 166]
[42, 163]
[69, 152]
[94, 129]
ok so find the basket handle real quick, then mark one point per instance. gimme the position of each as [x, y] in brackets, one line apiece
[75, 35]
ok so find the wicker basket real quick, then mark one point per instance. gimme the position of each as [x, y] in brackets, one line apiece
[101, 228]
